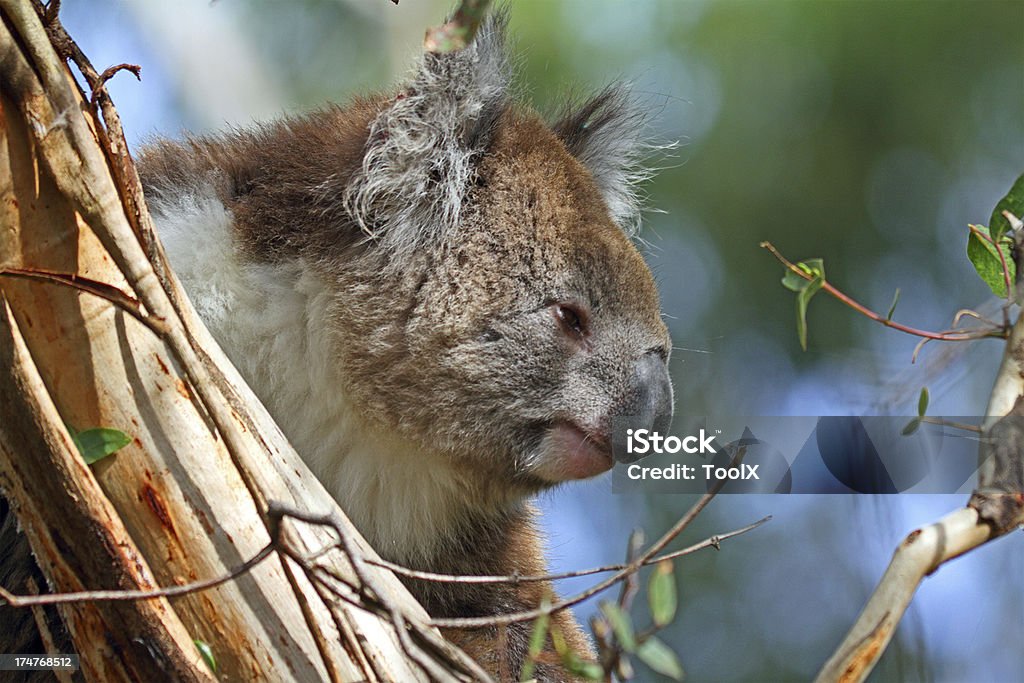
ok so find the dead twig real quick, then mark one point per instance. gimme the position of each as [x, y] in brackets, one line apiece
[118, 297]
[630, 568]
[710, 542]
[122, 595]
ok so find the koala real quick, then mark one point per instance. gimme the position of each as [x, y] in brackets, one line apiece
[436, 295]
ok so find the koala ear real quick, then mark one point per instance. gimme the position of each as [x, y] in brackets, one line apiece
[606, 135]
[421, 153]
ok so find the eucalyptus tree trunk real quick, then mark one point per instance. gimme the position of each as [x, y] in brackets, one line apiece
[96, 332]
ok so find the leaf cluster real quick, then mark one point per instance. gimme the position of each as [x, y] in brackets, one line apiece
[618, 639]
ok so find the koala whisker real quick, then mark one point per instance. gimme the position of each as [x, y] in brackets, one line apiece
[684, 348]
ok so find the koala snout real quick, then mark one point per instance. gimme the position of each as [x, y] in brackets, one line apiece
[649, 404]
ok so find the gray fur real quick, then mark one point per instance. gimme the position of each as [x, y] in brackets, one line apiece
[422, 149]
[607, 135]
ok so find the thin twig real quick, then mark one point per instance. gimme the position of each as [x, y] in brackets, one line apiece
[711, 542]
[949, 423]
[634, 566]
[631, 586]
[117, 297]
[119, 595]
[101, 81]
[368, 585]
[826, 286]
[42, 625]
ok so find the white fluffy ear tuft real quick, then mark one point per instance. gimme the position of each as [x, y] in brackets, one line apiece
[606, 134]
[421, 154]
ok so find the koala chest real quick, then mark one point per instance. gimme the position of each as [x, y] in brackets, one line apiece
[269, 320]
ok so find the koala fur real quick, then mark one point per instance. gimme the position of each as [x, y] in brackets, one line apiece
[435, 294]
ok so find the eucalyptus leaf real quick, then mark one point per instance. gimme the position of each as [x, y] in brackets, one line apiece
[661, 594]
[660, 657]
[1012, 202]
[622, 625]
[892, 306]
[985, 258]
[911, 426]
[96, 444]
[922, 402]
[537, 639]
[793, 282]
[803, 298]
[814, 267]
[207, 653]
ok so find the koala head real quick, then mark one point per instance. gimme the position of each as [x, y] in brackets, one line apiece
[498, 310]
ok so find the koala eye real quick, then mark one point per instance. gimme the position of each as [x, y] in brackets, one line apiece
[572, 319]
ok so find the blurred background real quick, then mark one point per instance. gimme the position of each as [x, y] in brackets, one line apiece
[869, 134]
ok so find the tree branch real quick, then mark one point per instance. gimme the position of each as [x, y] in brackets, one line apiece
[995, 508]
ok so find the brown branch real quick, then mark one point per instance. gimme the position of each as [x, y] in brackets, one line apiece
[117, 297]
[42, 625]
[279, 512]
[101, 81]
[111, 136]
[113, 208]
[918, 555]
[368, 586]
[996, 507]
[281, 544]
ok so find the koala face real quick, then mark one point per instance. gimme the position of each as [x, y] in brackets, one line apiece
[559, 329]
[531, 327]
[478, 294]
[512, 318]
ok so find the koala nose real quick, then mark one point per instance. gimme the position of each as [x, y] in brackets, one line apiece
[649, 403]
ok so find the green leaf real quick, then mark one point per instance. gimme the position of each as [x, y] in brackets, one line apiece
[96, 444]
[622, 625]
[1012, 202]
[207, 653]
[659, 657]
[803, 298]
[538, 637]
[911, 426]
[583, 668]
[814, 267]
[922, 402]
[805, 289]
[572, 661]
[661, 594]
[793, 282]
[892, 307]
[985, 258]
